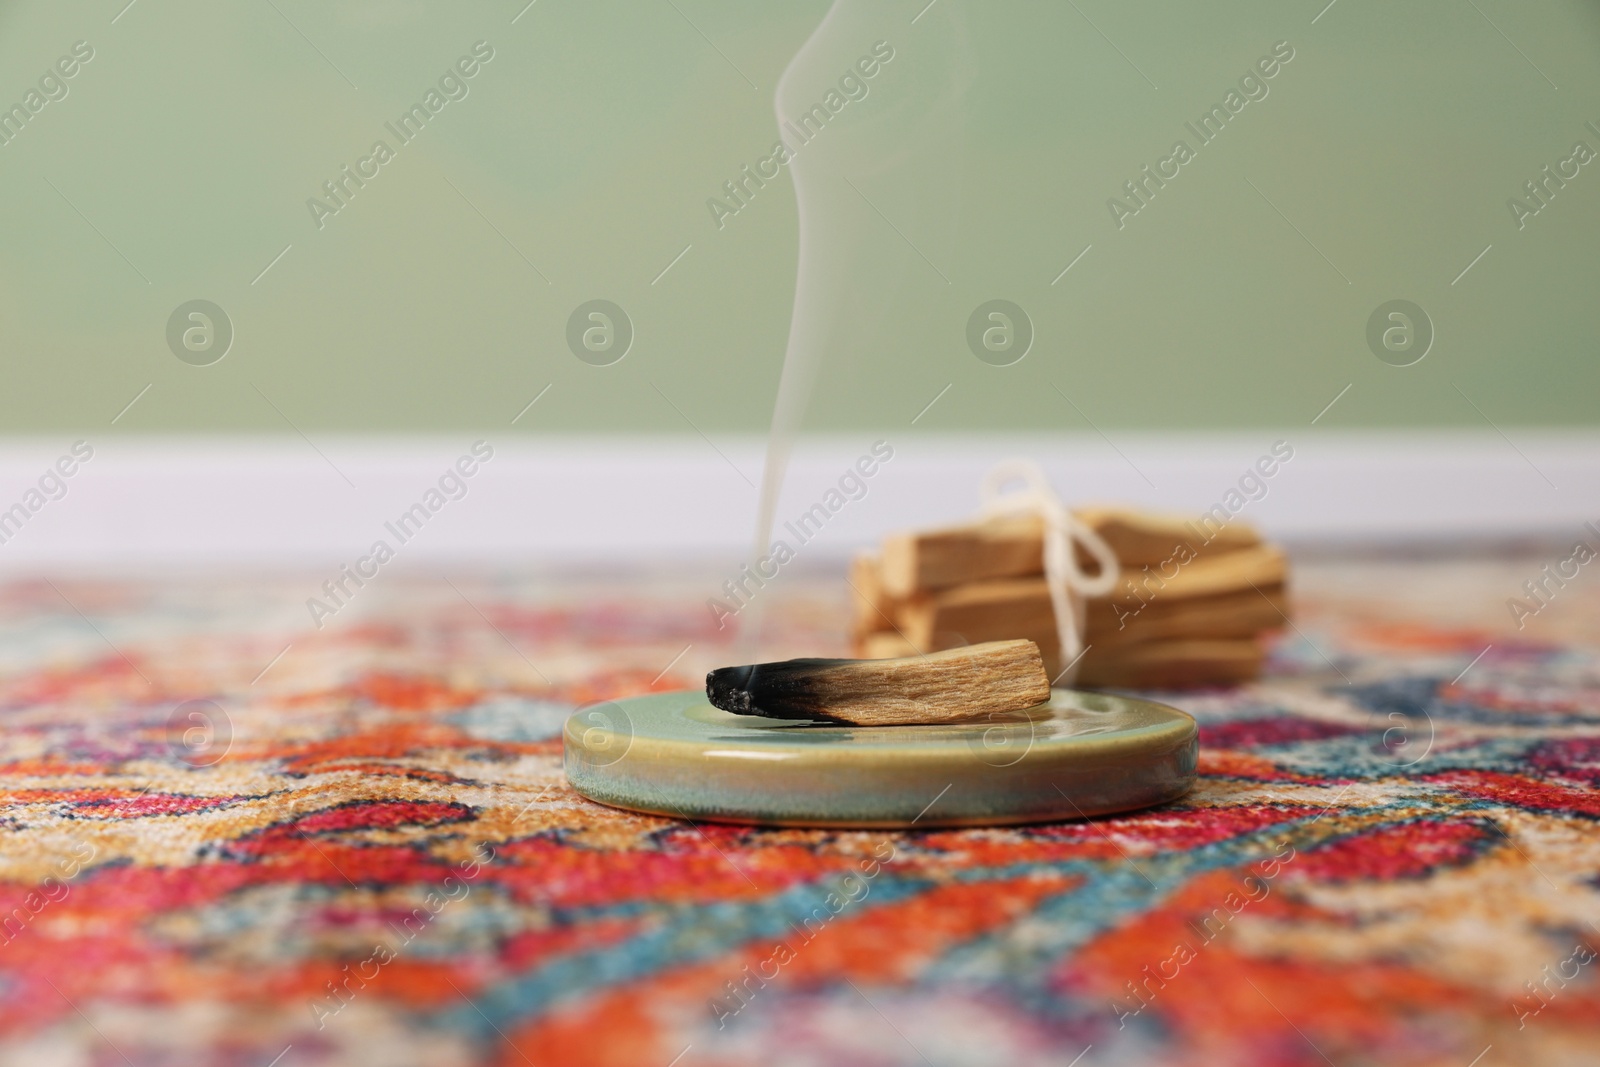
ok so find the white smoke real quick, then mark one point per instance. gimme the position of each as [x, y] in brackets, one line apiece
[900, 126]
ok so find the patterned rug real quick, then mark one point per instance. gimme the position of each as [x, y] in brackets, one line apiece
[230, 838]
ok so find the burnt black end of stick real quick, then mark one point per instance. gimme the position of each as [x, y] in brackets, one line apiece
[790, 689]
[728, 688]
[954, 685]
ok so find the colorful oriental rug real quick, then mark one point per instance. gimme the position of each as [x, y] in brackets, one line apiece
[229, 838]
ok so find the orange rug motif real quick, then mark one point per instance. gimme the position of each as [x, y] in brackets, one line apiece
[229, 838]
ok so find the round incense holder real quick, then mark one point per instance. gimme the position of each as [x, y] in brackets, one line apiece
[1079, 754]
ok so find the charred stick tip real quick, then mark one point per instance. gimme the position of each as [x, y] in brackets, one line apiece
[954, 685]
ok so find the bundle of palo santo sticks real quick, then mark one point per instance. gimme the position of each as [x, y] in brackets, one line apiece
[1188, 610]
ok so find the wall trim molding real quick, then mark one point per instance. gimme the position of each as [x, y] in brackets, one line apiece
[270, 501]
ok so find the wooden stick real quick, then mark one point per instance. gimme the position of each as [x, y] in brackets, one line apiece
[885, 645]
[1226, 572]
[1014, 548]
[981, 611]
[1018, 607]
[1172, 664]
[960, 684]
[937, 558]
[1177, 664]
[870, 610]
[1141, 537]
[1242, 614]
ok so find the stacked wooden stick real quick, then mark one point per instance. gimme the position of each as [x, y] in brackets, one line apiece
[1188, 610]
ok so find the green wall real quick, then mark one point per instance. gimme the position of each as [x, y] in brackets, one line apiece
[1378, 165]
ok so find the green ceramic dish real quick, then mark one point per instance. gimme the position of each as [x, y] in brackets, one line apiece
[1079, 754]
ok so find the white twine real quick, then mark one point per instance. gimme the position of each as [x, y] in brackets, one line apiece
[1016, 488]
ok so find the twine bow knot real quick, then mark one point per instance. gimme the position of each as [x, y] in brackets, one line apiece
[1016, 488]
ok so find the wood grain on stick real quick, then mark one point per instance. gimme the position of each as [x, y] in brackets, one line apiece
[934, 559]
[961, 684]
[870, 609]
[1241, 614]
[1020, 608]
[885, 645]
[1140, 537]
[1173, 664]
[1226, 572]
[1014, 547]
[1214, 590]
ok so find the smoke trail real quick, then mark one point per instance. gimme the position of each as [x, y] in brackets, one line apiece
[904, 129]
[799, 374]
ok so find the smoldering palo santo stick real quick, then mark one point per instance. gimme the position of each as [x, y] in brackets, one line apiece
[958, 684]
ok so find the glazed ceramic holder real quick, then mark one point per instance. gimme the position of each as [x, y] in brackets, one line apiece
[1077, 755]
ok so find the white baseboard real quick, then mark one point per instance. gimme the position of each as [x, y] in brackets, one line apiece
[277, 501]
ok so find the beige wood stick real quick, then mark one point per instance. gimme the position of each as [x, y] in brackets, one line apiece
[1172, 664]
[1241, 614]
[1140, 537]
[933, 559]
[870, 610]
[980, 611]
[960, 684]
[884, 645]
[1226, 572]
[1017, 607]
[1014, 548]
